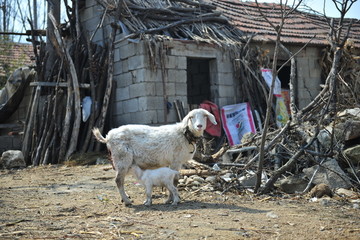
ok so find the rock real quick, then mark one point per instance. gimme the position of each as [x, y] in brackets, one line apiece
[353, 154]
[207, 188]
[188, 181]
[272, 215]
[354, 112]
[327, 175]
[324, 138]
[195, 183]
[248, 181]
[292, 184]
[210, 179]
[228, 176]
[351, 130]
[197, 178]
[321, 190]
[181, 181]
[12, 159]
[346, 193]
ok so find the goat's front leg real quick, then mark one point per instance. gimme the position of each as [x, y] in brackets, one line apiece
[120, 179]
[148, 201]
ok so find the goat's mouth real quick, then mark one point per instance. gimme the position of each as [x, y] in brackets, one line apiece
[199, 131]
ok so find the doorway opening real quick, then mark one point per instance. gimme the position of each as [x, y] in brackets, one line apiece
[198, 80]
[284, 77]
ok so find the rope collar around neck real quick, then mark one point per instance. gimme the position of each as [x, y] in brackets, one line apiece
[190, 136]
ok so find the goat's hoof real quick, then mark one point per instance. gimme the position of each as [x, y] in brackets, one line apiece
[146, 203]
[127, 202]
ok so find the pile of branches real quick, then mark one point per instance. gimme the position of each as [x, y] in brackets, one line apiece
[180, 19]
[348, 77]
[54, 125]
[300, 143]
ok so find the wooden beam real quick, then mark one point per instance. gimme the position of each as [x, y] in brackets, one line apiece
[10, 125]
[54, 84]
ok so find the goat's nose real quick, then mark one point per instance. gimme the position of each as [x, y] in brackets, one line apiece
[199, 126]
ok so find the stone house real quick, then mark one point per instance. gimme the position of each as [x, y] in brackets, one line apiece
[302, 31]
[193, 64]
[188, 68]
[13, 56]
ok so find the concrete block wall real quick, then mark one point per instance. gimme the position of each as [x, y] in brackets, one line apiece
[142, 94]
[308, 75]
[308, 71]
[90, 17]
[222, 85]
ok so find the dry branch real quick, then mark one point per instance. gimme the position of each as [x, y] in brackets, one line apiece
[109, 84]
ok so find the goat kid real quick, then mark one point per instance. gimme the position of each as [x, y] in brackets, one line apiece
[153, 147]
[160, 177]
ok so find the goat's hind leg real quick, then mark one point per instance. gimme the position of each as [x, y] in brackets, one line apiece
[120, 180]
[173, 195]
[122, 161]
[148, 189]
[170, 198]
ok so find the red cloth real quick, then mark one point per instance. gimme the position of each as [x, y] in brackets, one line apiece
[213, 130]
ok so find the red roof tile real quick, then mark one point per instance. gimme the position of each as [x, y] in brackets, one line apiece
[15, 55]
[299, 26]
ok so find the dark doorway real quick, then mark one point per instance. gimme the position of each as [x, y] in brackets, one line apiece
[284, 76]
[198, 80]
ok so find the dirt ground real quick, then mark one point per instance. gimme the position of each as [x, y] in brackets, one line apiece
[82, 202]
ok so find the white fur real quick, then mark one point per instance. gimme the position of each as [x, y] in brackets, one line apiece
[160, 177]
[153, 147]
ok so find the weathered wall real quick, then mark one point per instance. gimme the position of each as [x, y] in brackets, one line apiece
[90, 17]
[308, 71]
[16, 120]
[142, 92]
[308, 74]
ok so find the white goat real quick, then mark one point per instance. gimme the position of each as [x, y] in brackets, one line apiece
[153, 147]
[161, 177]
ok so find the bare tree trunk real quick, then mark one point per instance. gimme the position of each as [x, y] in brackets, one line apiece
[75, 83]
[267, 117]
[26, 146]
[54, 9]
[109, 84]
[66, 125]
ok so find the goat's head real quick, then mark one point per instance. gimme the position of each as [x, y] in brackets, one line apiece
[196, 121]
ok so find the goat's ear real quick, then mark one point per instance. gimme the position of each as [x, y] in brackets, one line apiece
[186, 119]
[211, 118]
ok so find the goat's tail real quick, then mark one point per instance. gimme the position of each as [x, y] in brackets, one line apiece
[98, 135]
